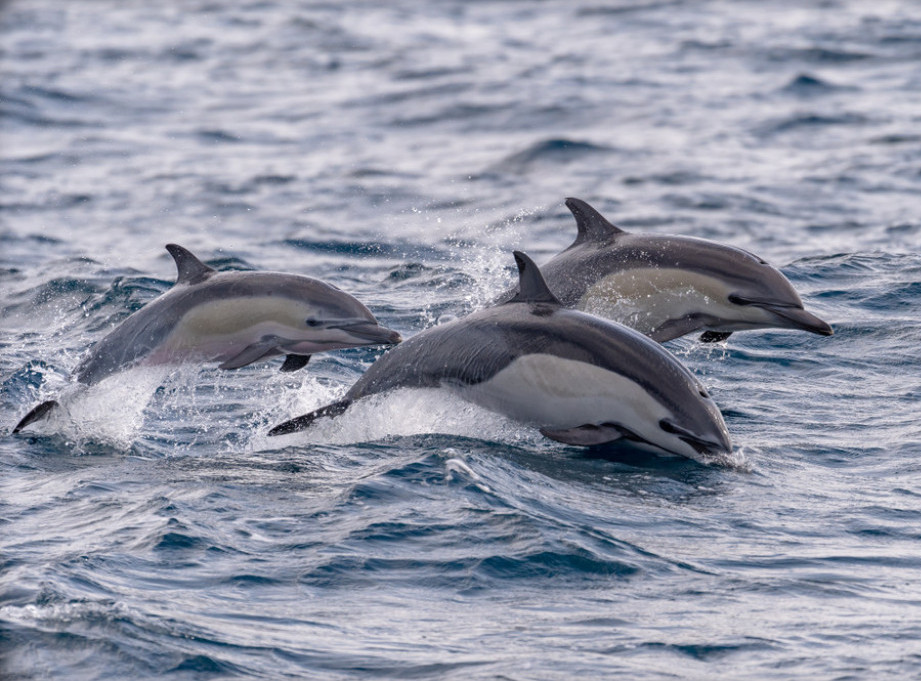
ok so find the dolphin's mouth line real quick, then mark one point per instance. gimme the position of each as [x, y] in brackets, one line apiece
[801, 319]
[698, 444]
[702, 446]
[371, 332]
[337, 344]
[359, 326]
[740, 300]
[364, 330]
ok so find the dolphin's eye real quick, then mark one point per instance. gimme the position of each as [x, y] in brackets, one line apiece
[667, 426]
[738, 300]
[313, 322]
[703, 393]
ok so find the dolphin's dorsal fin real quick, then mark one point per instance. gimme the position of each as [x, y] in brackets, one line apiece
[593, 226]
[531, 285]
[191, 270]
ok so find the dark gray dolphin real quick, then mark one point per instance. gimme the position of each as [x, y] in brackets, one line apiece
[235, 318]
[580, 379]
[669, 286]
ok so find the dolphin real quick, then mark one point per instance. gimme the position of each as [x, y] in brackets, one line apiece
[580, 379]
[669, 286]
[234, 318]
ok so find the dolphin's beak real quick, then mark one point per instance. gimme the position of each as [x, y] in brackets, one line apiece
[798, 318]
[713, 444]
[710, 448]
[372, 334]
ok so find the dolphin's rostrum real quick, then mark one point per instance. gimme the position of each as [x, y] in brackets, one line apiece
[234, 318]
[580, 379]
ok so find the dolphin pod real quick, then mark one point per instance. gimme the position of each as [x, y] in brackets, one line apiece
[539, 356]
[234, 318]
[669, 286]
[578, 378]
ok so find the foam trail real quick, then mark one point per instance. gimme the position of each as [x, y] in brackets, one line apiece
[403, 413]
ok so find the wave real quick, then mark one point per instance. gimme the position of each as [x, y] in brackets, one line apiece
[553, 151]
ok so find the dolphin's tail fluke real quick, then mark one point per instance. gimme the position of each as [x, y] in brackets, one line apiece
[37, 414]
[304, 422]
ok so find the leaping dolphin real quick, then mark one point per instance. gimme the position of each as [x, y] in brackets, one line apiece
[235, 318]
[669, 286]
[580, 379]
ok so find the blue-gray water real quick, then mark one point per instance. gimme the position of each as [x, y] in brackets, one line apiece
[401, 150]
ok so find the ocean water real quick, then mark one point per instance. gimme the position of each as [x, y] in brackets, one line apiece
[401, 150]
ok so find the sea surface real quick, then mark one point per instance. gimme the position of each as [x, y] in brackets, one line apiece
[401, 151]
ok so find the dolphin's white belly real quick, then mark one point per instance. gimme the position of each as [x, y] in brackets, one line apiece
[556, 393]
[646, 298]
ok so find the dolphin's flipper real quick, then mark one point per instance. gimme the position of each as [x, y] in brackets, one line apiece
[593, 226]
[252, 353]
[586, 435]
[714, 336]
[35, 414]
[675, 328]
[191, 270]
[295, 362]
[304, 422]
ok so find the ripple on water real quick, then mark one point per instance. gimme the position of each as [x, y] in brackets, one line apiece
[401, 151]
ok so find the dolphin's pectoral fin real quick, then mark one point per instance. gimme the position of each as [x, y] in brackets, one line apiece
[586, 435]
[295, 362]
[252, 353]
[675, 328]
[304, 422]
[35, 414]
[714, 336]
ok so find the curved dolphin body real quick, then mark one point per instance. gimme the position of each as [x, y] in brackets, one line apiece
[582, 380]
[669, 286]
[235, 318]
